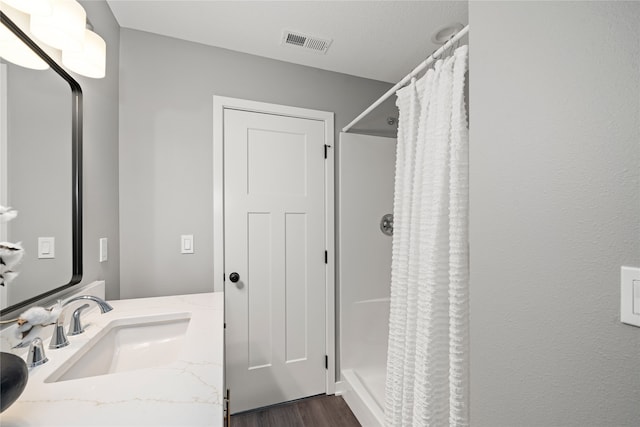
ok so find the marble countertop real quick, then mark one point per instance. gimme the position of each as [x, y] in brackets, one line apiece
[187, 392]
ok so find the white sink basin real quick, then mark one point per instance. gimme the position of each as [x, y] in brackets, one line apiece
[126, 345]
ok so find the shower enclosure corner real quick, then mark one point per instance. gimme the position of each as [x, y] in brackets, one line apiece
[365, 187]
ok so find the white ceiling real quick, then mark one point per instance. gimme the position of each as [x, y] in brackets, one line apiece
[381, 40]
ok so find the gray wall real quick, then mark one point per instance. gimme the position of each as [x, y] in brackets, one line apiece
[166, 137]
[101, 156]
[555, 212]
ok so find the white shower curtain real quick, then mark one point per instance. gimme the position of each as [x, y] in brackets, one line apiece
[428, 354]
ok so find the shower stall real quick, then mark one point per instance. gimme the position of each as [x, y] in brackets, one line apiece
[366, 183]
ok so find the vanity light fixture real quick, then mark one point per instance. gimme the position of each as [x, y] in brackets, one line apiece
[90, 61]
[60, 24]
[14, 50]
[32, 7]
[62, 29]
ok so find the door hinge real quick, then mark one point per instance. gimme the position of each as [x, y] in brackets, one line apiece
[326, 257]
[225, 325]
[227, 408]
[326, 147]
[224, 277]
[326, 362]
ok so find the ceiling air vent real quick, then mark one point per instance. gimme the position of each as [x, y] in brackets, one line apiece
[303, 41]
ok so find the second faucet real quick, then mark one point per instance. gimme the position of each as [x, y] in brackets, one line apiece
[59, 338]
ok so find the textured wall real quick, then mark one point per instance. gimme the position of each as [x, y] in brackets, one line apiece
[555, 212]
[166, 139]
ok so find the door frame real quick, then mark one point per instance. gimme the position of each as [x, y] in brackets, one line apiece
[220, 103]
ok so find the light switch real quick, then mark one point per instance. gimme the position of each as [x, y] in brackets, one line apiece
[46, 247]
[187, 244]
[104, 250]
[630, 295]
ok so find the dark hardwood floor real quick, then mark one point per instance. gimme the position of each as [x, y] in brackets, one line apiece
[317, 411]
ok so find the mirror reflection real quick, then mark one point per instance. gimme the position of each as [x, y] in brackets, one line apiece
[37, 177]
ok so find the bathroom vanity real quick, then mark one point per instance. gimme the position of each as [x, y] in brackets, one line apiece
[148, 362]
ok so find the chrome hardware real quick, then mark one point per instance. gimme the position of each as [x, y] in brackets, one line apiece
[36, 356]
[102, 304]
[59, 339]
[386, 224]
[227, 408]
[75, 327]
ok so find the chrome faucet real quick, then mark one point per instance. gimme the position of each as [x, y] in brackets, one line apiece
[75, 326]
[59, 338]
[36, 356]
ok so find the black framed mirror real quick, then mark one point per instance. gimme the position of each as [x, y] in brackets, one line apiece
[46, 291]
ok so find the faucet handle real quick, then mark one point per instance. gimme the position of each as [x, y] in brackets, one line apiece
[59, 338]
[75, 327]
[36, 356]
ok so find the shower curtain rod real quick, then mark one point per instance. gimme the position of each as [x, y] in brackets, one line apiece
[424, 64]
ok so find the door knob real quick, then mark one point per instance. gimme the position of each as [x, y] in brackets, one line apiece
[234, 277]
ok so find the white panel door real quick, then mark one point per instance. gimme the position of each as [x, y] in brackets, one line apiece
[275, 242]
